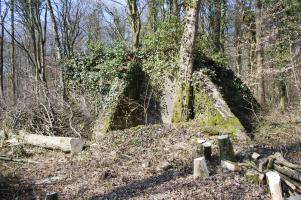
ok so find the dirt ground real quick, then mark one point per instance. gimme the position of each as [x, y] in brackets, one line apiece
[153, 162]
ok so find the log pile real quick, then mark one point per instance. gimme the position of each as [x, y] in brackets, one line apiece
[282, 177]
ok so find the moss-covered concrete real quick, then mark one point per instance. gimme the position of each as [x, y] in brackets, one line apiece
[128, 106]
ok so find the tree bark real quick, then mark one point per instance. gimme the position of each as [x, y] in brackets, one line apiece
[66, 144]
[186, 60]
[200, 168]
[226, 148]
[135, 21]
[59, 50]
[260, 53]
[274, 185]
[12, 52]
[1, 53]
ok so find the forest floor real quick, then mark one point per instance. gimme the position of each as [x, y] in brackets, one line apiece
[151, 162]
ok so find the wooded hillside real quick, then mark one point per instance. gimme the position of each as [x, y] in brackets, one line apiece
[73, 73]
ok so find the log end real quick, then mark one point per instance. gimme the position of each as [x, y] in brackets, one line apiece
[77, 145]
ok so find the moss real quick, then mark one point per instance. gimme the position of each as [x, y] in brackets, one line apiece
[177, 108]
[209, 117]
[182, 110]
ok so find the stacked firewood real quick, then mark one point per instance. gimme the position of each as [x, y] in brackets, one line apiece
[283, 177]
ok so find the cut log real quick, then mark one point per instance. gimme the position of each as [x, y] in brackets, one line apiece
[200, 168]
[207, 150]
[290, 181]
[279, 159]
[230, 165]
[288, 172]
[295, 197]
[51, 196]
[2, 135]
[254, 176]
[226, 148]
[262, 164]
[66, 144]
[255, 156]
[274, 182]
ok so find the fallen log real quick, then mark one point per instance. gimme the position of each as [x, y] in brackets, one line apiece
[5, 158]
[288, 172]
[274, 182]
[279, 159]
[294, 185]
[232, 166]
[66, 144]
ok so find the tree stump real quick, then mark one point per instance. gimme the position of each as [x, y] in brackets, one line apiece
[274, 182]
[226, 148]
[51, 196]
[207, 150]
[200, 168]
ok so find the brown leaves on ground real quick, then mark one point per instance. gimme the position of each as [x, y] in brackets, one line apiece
[153, 162]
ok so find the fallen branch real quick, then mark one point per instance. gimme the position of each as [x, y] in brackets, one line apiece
[5, 158]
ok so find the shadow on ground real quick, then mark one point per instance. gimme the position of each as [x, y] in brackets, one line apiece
[138, 187]
[267, 150]
[14, 188]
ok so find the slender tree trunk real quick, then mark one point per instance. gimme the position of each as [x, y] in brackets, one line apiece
[184, 99]
[12, 53]
[59, 51]
[282, 94]
[260, 53]
[1, 54]
[175, 8]
[217, 25]
[238, 34]
[135, 21]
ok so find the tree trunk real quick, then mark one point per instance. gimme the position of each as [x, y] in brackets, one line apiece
[1, 54]
[238, 34]
[135, 21]
[217, 25]
[260, 53]
[183, 108]
[12, 53]
[59, 50]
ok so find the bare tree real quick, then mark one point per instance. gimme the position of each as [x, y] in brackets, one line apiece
[2, 19]
[12, 51]
[260, 53]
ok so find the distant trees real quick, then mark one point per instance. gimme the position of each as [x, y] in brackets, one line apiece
[258, 39]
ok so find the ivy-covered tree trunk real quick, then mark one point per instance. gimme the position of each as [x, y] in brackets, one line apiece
[135, 21]
[183, 108]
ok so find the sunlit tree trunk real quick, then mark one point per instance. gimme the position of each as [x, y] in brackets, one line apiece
[184, 99]
[12, 51]
[1, 53]
[135, 21]
[260, 53]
